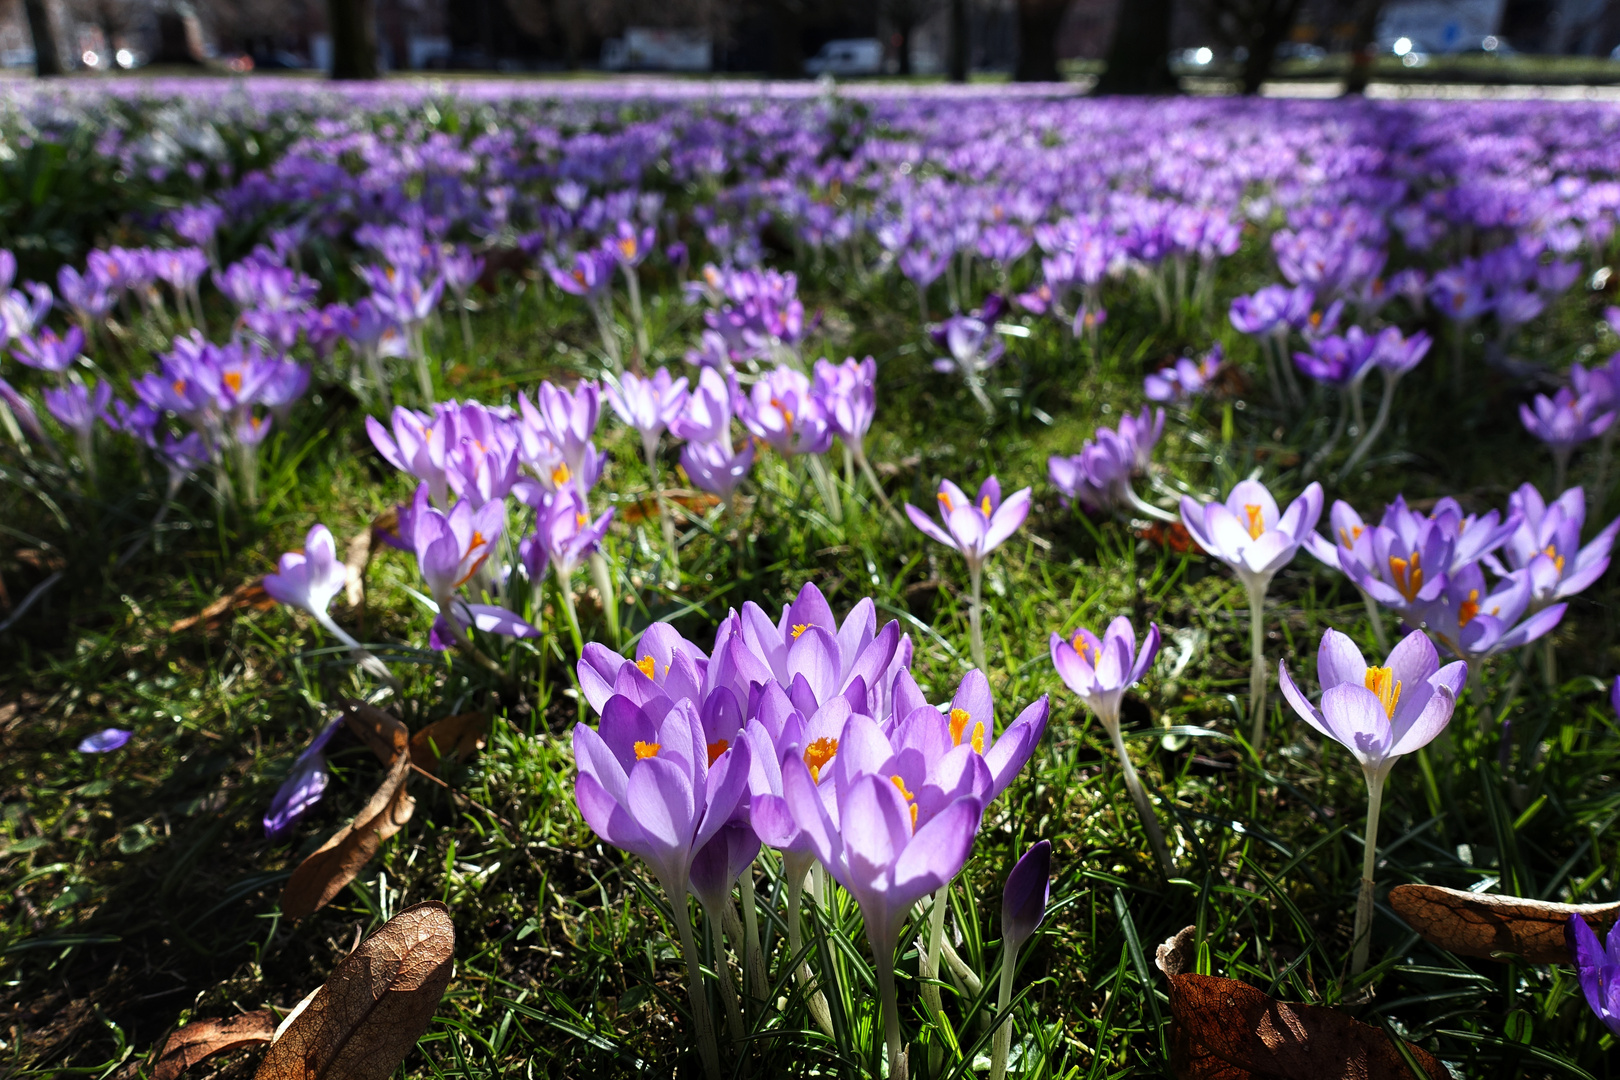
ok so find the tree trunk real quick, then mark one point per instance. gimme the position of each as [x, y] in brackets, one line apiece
[903, 31]
[959, 59]
[1139, 54]
[1364, 47]
[353, 24]
[1038, 24]
[47, 57]
[1257, 67]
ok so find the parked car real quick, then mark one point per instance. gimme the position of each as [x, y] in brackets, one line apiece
[849, 56]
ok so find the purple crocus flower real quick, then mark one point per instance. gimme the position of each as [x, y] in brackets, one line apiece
[569, 535]
[848, 395]
[451, 551]
[1184, 378]
[656, 788]
[974, 347]
[78, 408]
[309, 579]
[974, 527]
[1547, 543]
[1248, 534]
[865, 832]
[1099, 671]
[20, 408]
[1379, 714]
[784, 413]
[1473, 621]
[1598, 968]
[49, 352]
[1023, 906]
[716, 468]
[1563, 422]
[648, 404]
[707, 416]
[304, 786]
[105, 741]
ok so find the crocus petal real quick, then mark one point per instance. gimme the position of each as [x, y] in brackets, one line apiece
[1339, 661]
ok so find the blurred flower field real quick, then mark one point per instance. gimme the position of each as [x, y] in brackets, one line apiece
[814, 581]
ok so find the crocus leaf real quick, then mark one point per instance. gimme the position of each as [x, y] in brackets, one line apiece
[202, 1039]
[1479, 924]
[1228, 1030]
[364, 1020]
[458, 736]
[249, 594]
[335, 863]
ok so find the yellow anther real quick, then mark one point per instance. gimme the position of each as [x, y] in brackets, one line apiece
[1257, 523]
[799, 628]
[1382, 682]
[233, 379]
[959, 720]
[818, 754]
[645, 750]
[910, 798]
[978, 737]
[647, 665]
[984, 505]
[1551, 551]
[1408, 574]
[560, 475]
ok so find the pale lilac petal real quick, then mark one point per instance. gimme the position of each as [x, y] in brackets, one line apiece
[1339, 661]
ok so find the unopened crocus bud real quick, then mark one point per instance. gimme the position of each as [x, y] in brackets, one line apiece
[1598, 968]
[1023, 901]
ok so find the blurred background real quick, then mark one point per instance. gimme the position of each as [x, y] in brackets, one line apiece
[1144, 46]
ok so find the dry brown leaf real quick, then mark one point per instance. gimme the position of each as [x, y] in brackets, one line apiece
[460, 736]
[378, 1002]
[356, 557]
[202, 1039]
[335, 863]
[695, 503]
[1483, 925]
[1227, 1030]
[249, 594]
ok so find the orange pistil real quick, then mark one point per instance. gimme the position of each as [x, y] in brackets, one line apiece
[627, 246]
[1408, 575]
[233, 379]
[1468, 608]
[560, 475]
[1348, 538]
[959, 720]
[817, 754]
[787, 413]
[1382, 682]
[1257, 524]
[645, 750]
[579, 520]
[1080, 647]
[477, 542]
[716, 748]
[945, 501]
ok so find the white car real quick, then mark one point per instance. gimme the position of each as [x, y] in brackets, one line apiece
[850, 56]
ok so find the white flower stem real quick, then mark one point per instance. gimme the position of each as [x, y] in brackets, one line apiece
[361, 654]
[975, 382]
[753, 955]
[1257, 669]
[565, 589]
[665, 521]
[796, 866]
[1148, 508]
[1379, 420]
[633, 286]
[976, 614]
[1364, 901]
[610, 344]
[722, 970]
[1376, 618]
[929, 966]
[1003, 1041]
[610, 598]
[890, 1002]
[1139, 796]
[694, 984]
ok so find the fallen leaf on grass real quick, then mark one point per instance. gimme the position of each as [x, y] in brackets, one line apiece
[249, 594]
[1483, 925]
[378, 1002]
[356, 557]
[696, 503]
[1227, 1030]
[202, 1039]
[459, 736]
[335, 863]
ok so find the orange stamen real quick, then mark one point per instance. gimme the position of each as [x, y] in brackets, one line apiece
[818, 754]
[1468, 608]
[716, 748]
[1382, 682]
[1257, 524]
[645, 750]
